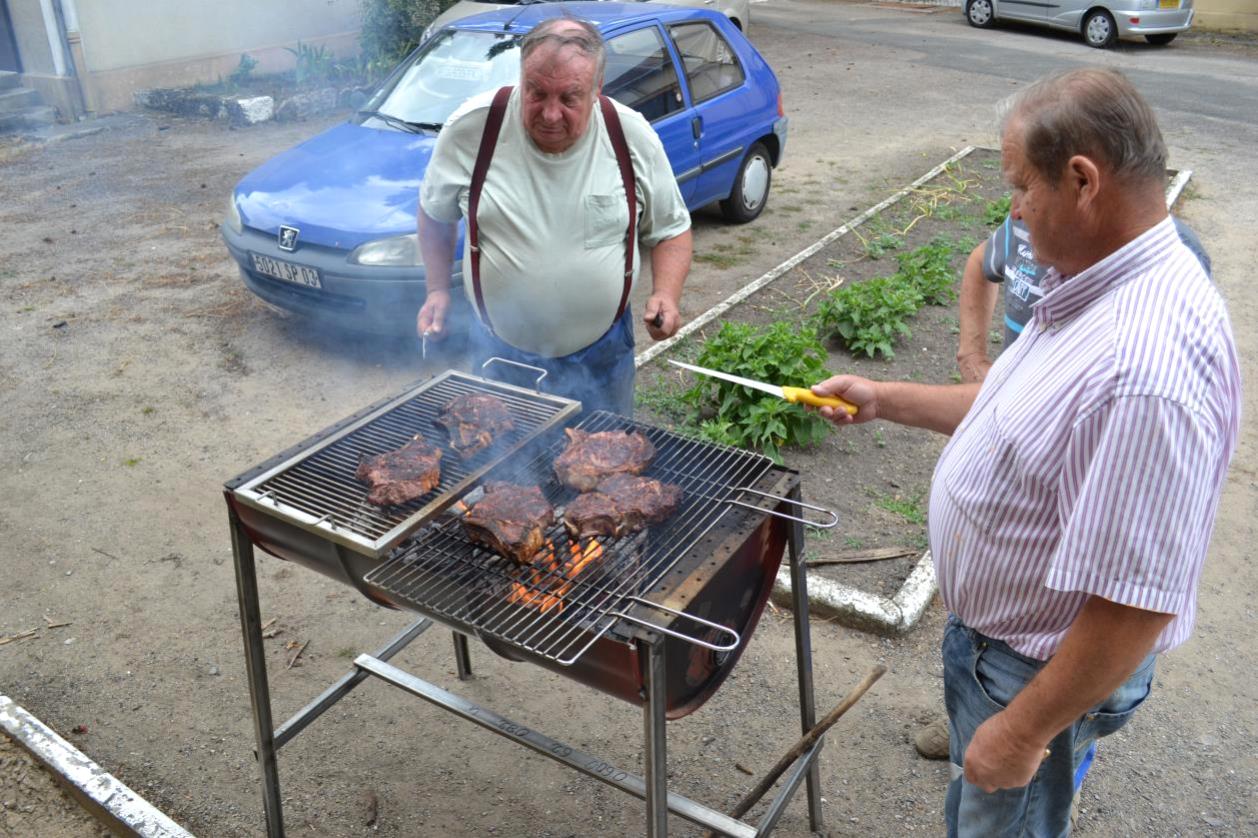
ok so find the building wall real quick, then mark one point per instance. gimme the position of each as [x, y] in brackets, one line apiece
[129, 45]
[1241, 15]
[31, 36]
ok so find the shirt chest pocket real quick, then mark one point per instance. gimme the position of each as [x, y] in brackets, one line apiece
[987, 478]
[606, 220]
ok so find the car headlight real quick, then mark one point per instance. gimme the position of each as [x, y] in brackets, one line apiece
[396, 252]
[233, 216]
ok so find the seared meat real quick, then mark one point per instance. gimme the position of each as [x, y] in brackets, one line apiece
[402, 475]
[623, 503]
[510, 520]
[474, 421]
[642, 497]
[593, 513]
[590, 457]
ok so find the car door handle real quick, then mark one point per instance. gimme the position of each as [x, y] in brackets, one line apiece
[696, 127]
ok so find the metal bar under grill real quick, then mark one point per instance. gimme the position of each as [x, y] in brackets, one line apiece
[442, 574]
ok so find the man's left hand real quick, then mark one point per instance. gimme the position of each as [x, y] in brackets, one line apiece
[999, 759]
[662, 317]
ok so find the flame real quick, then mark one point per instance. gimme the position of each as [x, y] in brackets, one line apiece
[549, 579]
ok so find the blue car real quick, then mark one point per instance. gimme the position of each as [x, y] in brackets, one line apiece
[327, 229]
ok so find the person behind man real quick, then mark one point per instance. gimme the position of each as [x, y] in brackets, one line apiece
[558, 186]
[1005, 258]
[1071, 510]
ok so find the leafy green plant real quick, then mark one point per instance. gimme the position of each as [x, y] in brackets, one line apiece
[781, 353]
[313, 63]
[995, 211]
[882, 244]
[392, 28]
[868, 317]
[929, 269]
[243, 70]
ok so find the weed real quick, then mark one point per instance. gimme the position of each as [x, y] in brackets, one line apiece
[869, 316]
[929, 270]
[313, 63]
[346, 652]
[853, 542]
[818, 532]
[132, 462]
[25, 309]
[662, 399]
[720, 259]
[148, 410]
[781, 352]
[243, 70]
[910, 508]
[955, 377]
[804, 225]
[996, 337]
[882, 244]
[995, 211]
[880, 439]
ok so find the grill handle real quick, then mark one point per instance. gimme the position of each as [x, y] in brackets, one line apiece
[647, 624]
[537, 385]
[833, 522]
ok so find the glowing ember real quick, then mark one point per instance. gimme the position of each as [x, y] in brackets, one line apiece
[549, 579]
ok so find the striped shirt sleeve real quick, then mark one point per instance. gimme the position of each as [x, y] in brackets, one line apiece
[1141, 504]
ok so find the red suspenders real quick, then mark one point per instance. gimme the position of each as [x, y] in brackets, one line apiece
[489, 140]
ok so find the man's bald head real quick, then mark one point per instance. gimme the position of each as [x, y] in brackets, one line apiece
[560, 38]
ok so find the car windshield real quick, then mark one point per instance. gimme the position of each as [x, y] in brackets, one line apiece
[452, 67]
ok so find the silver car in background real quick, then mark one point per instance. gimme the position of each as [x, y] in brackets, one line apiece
[1100, 22]
[738, 11]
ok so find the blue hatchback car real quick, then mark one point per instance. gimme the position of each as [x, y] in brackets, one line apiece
[327, 229]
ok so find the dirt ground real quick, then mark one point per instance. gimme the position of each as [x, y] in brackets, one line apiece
[136, 376]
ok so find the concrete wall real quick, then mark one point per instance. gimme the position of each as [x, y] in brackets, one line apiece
[1240, 15]
[32, 38]
[128, 45]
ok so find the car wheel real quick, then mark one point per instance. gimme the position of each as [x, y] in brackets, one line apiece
[979, 13]
[1099, 29]
[1161, 40]
[751, 188]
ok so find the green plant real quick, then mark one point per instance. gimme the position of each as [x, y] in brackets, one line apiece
[995, 211]
[781, 353]
[853, 542]
[313, 63]
[243, 70]
[392, 28]
[869, 316]
[880, 439]
[928, 268]
[910, 508]
[881, 244]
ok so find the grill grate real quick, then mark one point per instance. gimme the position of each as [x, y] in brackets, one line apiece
[317, 487]
[442, 574]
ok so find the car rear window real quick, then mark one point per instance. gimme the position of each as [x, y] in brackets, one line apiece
[640, 73]
[710, 63]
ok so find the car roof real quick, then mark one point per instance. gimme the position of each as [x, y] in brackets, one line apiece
[602, 14]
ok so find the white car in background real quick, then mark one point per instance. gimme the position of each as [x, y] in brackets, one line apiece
[738, 11]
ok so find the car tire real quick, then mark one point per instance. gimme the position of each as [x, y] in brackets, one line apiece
[980, 13]
[1099, 29]
[1161, 40]
[751, 188]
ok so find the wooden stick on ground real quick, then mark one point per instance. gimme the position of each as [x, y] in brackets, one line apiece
[809, 739]
[878, 555]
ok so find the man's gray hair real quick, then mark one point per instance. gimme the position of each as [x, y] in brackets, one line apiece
[1095, 112]
[586, 39]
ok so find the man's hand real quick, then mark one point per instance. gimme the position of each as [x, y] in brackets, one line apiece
[431, 322]
[854, 390]
[662, 317]
[974, 366]
[998, 759]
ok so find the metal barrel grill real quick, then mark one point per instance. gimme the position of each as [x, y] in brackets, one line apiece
[656, 617]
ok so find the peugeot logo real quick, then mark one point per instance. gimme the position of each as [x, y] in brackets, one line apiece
[288, 238]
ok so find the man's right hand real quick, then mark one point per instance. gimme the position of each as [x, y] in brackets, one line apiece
[854, 390]
[974, 366]
[431, 322]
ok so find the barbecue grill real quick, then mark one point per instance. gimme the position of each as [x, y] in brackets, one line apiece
[657, 617]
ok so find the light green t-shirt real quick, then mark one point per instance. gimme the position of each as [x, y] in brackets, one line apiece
[552, 226]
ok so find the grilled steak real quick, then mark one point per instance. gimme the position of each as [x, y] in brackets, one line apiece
[510, 520]
[590, 457]
[402, 475]
[623, 503]
[474, 421]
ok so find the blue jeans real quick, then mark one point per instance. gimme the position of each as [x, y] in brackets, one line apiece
[600, 376]
[981, 677]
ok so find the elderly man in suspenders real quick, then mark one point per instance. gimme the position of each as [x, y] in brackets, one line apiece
[1071, 510]
[558, 185]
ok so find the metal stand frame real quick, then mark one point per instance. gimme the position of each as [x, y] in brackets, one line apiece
[653, 788]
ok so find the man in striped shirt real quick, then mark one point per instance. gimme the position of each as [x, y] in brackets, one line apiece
[1071, 511]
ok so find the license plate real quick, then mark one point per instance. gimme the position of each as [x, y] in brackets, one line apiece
[1168, 4]
[287, 271]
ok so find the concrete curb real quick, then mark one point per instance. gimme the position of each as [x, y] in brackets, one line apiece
[102, 795]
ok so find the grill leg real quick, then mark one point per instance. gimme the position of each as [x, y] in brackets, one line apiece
[652, 653]
[803, 660]
[462, 661]
[255, 665]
